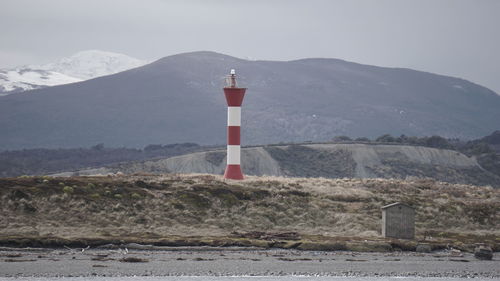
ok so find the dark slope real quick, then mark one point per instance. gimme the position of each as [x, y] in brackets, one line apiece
[179, 99]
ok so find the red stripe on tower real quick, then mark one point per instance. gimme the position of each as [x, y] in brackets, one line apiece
[233, 135]
[234, 98]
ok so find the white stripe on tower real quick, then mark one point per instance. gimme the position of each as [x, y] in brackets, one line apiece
[234, 116]
[233, 135]
[233, 155]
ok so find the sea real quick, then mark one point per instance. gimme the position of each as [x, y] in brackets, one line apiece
[242, 278]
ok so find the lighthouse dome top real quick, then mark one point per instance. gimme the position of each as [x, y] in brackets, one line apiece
[231, 79]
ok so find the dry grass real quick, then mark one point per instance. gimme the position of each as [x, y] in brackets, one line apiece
[152, 207]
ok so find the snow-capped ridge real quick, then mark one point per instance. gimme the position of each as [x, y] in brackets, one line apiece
[93, 63]
[25, 79]
[81, 66]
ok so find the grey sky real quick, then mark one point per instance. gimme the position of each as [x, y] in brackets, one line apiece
[451, 37]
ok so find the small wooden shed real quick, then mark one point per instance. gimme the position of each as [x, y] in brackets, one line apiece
[398, 221]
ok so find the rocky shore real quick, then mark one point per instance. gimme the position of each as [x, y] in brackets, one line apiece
[208, 261]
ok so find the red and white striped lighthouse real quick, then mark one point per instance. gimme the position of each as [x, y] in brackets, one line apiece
[234, 98]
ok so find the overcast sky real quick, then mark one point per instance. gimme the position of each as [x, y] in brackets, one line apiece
[451, 37]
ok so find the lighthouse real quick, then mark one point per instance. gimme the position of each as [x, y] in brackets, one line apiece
[234, 98]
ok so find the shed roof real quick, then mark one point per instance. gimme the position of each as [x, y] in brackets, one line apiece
[396, 204]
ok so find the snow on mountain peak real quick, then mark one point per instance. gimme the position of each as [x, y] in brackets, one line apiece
[81, 66]
[24, 79]
[93, 63]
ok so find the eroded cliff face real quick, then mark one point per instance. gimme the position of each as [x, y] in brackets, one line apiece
[377, 160]
[328, 161]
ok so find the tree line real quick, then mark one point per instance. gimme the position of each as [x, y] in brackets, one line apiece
[45, 161]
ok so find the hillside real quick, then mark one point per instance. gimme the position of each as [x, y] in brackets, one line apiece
[48, 161]
[493, 141]
[175, 210]
[354, 160]
[179, 99]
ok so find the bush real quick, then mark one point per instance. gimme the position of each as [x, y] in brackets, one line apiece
[341, 139]
[438, 142]
[68, 189]
[386, 138]
[95, 196]
[480, 148]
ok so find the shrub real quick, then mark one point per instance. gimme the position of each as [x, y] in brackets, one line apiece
[386, 138]
[438, 142]
[194, 200]
[95, 196]
[68, 189]
[341, 139]
[178, 206]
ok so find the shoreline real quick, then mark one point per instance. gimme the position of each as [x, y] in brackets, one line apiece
[193, 261]
[263, 240]
[265, 212]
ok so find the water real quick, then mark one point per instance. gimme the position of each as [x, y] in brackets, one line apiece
[240, 278]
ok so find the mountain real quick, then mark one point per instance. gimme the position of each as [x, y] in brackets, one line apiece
[79, 67]
[179, 99]
[93, 63]
[353, 160]
[27, 78]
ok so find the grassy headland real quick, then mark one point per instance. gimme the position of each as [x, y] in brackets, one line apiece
[198, 210]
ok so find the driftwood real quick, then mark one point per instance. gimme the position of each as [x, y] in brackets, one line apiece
[268, 235]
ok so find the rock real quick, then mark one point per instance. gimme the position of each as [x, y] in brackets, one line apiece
[133, 259]
[456, 253]
[423, 248]
[483, 252]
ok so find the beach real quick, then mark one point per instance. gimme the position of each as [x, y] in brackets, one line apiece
[210, 261]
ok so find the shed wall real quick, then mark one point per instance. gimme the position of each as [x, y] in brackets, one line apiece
[398, 222]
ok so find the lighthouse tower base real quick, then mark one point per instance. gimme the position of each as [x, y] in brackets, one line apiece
[233, 172]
